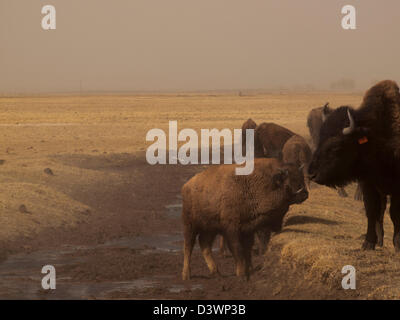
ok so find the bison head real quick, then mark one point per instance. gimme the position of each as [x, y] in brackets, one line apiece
[290, 179]
[334, 162]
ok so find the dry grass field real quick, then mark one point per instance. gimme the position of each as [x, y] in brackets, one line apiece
[100, 190]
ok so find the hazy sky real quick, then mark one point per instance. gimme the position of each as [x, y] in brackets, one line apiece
[195, 44]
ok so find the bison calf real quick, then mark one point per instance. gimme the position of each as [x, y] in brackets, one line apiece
[217, 201]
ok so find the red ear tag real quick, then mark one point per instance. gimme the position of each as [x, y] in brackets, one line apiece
[363, 140]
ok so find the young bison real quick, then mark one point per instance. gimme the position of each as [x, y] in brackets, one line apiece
[217, 201]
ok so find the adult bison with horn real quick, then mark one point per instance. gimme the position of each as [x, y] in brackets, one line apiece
[364, 145]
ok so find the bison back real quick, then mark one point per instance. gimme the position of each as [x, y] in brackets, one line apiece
[272, 138]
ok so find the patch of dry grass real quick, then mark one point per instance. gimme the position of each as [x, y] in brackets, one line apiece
[26, 209]
[326, 232]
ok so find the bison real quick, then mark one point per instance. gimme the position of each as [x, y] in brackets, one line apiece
[315, 119]
[217, 201]
[268, 133]
[296, 150]
[272, 138]
[293, 150]
[258, 150]
[364, 145]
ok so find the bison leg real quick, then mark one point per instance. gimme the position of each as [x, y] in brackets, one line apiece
[395, 216]
[222, 247]
[379, 224]
[206, 240]
[373, 208]
[263, 237]
[342, 193]
[189, 241]
[247, 241]
[236, 247]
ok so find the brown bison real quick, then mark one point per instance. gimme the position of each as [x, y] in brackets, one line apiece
[217, 201]
[297, 151]
[258, 153]
[315, 119]
[272, 138]
[273, 135]
[258, 150]
[364, 145]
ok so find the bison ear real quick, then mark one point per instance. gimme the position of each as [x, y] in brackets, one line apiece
[279, 177]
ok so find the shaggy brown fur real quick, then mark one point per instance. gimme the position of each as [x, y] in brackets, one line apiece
[217, 201]
[258, 153]
[272, 138]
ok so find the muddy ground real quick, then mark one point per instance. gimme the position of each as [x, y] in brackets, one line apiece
[132, 249]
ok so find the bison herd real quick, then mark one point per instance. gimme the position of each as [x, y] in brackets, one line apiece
[347, 145]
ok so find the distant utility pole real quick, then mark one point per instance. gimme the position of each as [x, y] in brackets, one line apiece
[80, 92]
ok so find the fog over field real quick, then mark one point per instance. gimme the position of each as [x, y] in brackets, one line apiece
[180, 45]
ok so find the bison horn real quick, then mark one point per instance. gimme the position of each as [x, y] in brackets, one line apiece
[324, 110]
[300, 190]
[350, 128]
[301, 167]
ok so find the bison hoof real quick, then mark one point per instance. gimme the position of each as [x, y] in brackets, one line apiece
[380, 243]
[368, 245]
